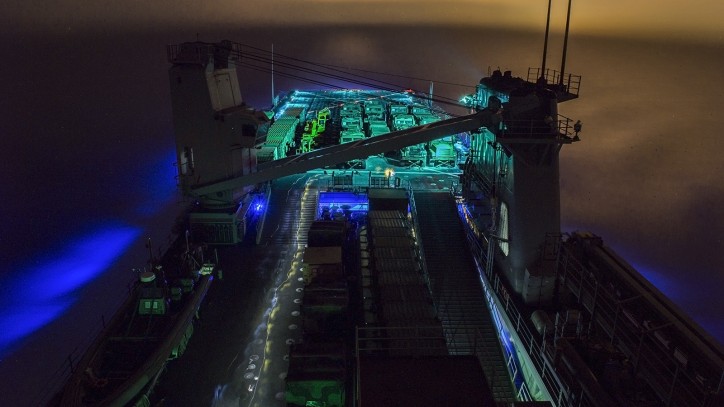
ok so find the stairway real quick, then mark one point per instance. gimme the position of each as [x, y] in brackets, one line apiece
[457, 290]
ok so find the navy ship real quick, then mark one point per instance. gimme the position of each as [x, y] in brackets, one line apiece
[425, 262]
[152, 327]
[461, 291]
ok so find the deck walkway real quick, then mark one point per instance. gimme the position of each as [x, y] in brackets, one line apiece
[457, 290]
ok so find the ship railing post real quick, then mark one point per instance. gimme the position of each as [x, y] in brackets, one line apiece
[615, 322]
[673, 386]
[593, 307]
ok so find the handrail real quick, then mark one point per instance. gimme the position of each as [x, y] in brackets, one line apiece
[534, 347]
[416, 226]
[653, 358]
[570, 83]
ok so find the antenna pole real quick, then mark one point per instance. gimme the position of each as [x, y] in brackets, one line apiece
[272, 74]
[150, 252]
[545, 41]
[565, 42]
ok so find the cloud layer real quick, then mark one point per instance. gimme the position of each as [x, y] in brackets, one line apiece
[665, 18]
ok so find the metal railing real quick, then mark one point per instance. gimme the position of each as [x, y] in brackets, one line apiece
[560, 130]
[652, 360]
[409, 340]
[420, 341]
[534, 347]
[569, 83]
[566, 126]
[416, 228]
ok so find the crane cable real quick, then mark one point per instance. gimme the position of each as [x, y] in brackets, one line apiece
[261, 58]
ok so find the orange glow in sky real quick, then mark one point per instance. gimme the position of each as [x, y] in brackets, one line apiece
[696, 19]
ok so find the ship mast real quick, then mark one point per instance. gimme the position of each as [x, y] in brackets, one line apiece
[272, 74]
[545, 41]
[565, 43]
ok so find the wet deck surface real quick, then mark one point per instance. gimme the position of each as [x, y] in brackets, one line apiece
[231, 343]
[238, 353]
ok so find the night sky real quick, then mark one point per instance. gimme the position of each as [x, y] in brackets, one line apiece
[87, 154]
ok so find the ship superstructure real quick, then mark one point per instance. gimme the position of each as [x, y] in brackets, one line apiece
[581, 319]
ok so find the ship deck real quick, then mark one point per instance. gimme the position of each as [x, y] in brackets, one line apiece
[240, 355]
[240, 349]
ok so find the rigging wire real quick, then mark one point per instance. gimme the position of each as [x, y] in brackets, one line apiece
[254, 57]
[325, 84]
[289, 75]
[396, 88]
[266, 69]
[398, 75]
[258, 57]
[347, 69]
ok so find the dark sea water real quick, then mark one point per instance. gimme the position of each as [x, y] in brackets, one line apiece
[87, 161]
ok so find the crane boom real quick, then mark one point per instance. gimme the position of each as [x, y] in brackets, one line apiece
[356, 150]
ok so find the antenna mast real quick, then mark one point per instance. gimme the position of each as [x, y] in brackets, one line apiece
[545, 42]
[565, 42]
[272, 74]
